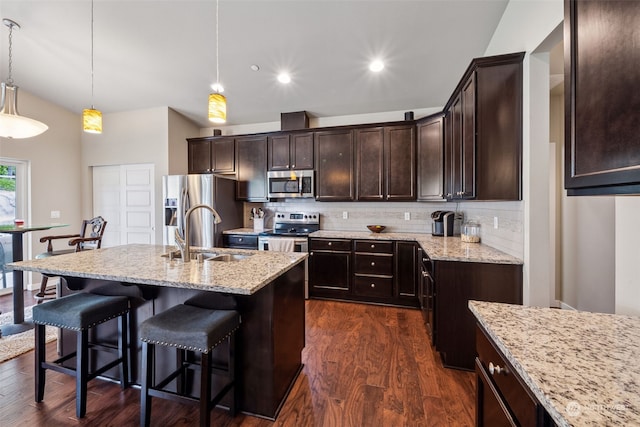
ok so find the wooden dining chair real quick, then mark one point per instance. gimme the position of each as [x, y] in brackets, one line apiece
[90, 237]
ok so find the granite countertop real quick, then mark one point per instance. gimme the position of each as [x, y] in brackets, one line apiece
[438, 248]
[245, 230]
[583, 367]
[144, 264]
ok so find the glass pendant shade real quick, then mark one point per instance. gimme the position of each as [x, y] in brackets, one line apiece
[13, 125]
[217, 108]
[91, 120]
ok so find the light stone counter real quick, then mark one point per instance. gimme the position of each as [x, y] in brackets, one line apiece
[583, 367]
[143, 264]
[438, 248]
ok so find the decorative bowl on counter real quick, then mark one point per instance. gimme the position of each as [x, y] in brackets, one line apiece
[376, 228]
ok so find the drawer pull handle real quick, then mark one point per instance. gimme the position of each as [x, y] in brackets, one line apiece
[496, 369]
[373, 263]
[373, 285]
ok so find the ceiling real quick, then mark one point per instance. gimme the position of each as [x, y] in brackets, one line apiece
[151, 54]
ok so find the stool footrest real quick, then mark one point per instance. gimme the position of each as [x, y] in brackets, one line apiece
[172, 395]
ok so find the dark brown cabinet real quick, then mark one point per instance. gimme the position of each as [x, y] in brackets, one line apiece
[211, 155]
[291, 151]
[334, 159]
[240, 241]
[458, 282]
[430, 154]
[251, 174]
[602, 142]
[406, 270]
[502, 398]
[483, 131]
[385, 163]
[329, 267]
[374, 271]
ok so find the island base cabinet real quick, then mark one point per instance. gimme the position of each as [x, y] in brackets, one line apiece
[270, 339]
[502, 398]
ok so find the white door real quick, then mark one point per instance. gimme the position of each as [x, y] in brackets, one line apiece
[124, 196]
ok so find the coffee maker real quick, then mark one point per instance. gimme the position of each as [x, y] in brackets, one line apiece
[442, 224]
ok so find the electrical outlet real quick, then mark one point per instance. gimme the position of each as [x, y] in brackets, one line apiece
[495, 222]
[55, 214]
[345, 215]
[407, 216]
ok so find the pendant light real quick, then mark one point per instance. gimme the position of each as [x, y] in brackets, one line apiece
[12, 124]
[217, 101]
[91, 118]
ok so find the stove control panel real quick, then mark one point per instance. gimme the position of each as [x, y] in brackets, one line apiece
[297, 217]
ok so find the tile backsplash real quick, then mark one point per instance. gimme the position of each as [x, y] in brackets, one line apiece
[508, 237]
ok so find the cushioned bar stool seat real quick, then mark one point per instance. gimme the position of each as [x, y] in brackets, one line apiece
[80, 312]
[188, 329]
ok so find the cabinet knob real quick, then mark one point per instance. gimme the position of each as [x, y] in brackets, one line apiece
[310, 253]
[373, 285]
[239, 239]
[448, 194]
[329, 244]
[373, 263]
[373, 246]
[496, 369]
[286, 166]
[293, 166]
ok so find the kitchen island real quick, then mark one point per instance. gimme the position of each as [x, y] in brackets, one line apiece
[268, 287]
[581, 367]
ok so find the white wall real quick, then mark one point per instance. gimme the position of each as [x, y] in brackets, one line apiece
[54, 159]
[627, 260]
[141, 136]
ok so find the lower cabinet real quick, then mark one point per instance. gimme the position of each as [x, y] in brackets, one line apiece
[240, 241]
[372, 271]
[329, 268]
[455, 284]
[502, 398]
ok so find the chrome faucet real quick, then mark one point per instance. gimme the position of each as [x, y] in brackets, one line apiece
[185, 245]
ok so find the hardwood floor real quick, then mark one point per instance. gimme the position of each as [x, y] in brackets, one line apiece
[364, 366]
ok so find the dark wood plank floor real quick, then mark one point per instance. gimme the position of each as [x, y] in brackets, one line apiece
[364, 366]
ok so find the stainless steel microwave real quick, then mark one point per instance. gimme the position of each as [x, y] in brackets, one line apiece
[293, 183]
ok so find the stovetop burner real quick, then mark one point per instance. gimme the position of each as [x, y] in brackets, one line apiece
[294, 224]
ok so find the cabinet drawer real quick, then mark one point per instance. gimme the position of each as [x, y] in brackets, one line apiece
[240, 241]
[329, 245]
[373, 286]
[374, 264]
[519, 401]
[374, 246]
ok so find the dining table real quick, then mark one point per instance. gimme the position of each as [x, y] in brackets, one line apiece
[17, 232]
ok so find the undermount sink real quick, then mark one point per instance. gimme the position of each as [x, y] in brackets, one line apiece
[227, 257]
[208, 256]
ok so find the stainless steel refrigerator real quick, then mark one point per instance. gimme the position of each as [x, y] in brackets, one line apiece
[181, 192]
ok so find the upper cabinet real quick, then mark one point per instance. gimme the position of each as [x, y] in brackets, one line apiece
[291, 151]
[334, 153]
[385, 163]
[602, 130]
[251, 184]
[483, 131]
[211, 155]
[430, 153]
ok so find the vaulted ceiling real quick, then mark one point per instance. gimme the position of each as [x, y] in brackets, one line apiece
[151, 53]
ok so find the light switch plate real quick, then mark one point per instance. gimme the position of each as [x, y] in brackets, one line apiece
[345, 215]
[55, 214]
[407, 216]
[495, 222]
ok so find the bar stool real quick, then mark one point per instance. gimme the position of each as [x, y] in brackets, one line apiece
[80, 312]
[189, 328]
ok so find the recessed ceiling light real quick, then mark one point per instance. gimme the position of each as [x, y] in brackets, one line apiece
[217, 87]
[376, 65]
[284, 78]
[255, 67]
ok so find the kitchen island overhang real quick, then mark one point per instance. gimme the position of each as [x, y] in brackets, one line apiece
[268, 286]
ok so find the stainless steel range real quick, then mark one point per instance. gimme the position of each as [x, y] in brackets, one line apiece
[295, 227]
